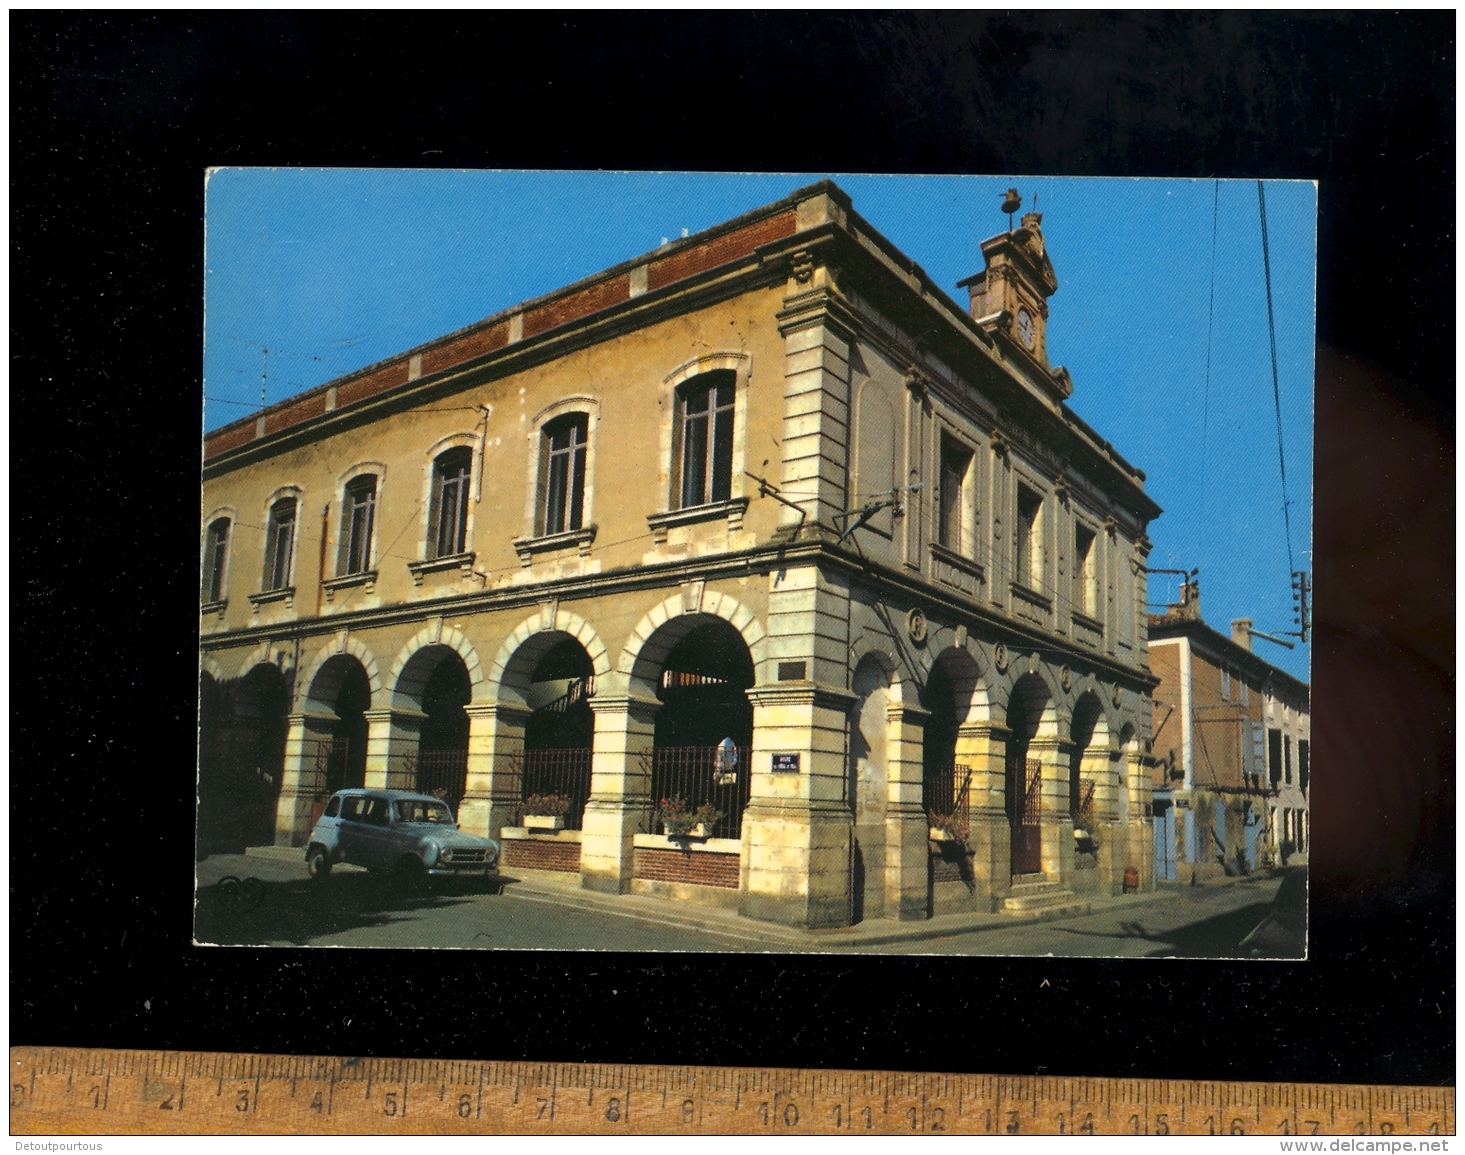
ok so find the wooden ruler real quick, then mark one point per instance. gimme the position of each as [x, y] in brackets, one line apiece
[61, 1091]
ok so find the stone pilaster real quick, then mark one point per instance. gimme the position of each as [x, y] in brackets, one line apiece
[1100, 765]
[816, 326]
[495, 739]
[982, 746]
[1057, 823]
[1140, 769]
[620, 789]
[392, 737]
[302, 779]
[907, 850]
[797, 828]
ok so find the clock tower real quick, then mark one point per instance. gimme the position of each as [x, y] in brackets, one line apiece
[1009, 298]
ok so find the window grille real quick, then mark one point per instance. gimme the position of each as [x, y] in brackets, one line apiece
[448, 516]
[706, 436]
[279, 544]
[696, 775]
[564, 772]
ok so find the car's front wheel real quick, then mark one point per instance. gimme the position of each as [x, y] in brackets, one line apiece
[318, 862]
[409, 877]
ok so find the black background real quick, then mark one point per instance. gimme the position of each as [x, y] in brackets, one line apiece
[114, 119]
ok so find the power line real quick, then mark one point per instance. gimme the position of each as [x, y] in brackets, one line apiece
[1276, 388]
[1205, 421]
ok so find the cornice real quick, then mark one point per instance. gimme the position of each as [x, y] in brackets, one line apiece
[942, 600]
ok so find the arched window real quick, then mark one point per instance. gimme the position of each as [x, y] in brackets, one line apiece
[448, 512]
[704, 435]
[358, 516]
[280, 544]
[562, 474]
[215, 555]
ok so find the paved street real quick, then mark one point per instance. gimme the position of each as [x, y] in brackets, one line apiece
[274, 903]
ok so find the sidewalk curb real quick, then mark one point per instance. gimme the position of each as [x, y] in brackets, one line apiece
[880, 933]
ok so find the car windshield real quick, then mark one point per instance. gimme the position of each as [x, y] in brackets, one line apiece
[420, 810]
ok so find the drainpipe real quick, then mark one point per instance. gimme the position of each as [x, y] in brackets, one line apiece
[1187, 716]
[325, 528]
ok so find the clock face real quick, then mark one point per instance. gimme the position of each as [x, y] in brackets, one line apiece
[1025, 327]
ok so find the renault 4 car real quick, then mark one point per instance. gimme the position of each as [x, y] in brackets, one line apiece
[409, 836]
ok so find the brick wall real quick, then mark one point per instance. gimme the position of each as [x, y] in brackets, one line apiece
[227, 439]
[465, 348]
[702, 868]
[534, 854]
[303, 410]
[944, 870]
[720, 250]
[387, 377]
[581, 303]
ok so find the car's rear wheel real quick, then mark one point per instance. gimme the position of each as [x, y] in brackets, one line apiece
[318, 862]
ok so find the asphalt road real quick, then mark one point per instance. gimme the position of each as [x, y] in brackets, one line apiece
[351, 908]
[274, 903]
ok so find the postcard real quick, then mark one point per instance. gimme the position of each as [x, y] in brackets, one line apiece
[768, 563]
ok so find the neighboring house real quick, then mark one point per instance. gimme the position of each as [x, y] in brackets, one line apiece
[761, 521]
[1232, 743]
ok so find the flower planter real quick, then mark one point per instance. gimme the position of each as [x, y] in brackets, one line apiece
[544, 821]
[698, 831]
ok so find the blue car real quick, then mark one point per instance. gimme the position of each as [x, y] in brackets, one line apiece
[409, 836]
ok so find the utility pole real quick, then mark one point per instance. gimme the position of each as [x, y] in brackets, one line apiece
[1302, 613]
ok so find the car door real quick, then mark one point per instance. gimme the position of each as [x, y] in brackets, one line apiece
[375, 832]
[350, 831]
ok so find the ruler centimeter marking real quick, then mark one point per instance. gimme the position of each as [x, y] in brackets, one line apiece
[75, 1091]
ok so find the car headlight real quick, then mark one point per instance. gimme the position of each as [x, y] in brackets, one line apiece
[430, 853]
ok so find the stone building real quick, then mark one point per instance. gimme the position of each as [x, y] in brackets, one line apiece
[1231, 737]
[762, 521]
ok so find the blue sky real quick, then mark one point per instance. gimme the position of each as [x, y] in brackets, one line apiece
[333, 269]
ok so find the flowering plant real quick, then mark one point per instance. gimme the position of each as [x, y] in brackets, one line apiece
[550, 805]
[680, 819]
[952, 824]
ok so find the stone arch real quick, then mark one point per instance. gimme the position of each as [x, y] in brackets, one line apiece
[668, 623]
[268, 654]
[732, 359]
[507, 680]
[1019, 675]
[1128, 735]
[1088, 721]
[969, 686]
[412, 666]
[1090, 754]
[315, 693]
[1033, 695]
